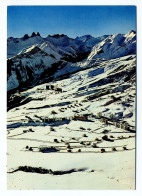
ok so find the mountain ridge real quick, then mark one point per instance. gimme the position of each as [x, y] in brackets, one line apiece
[46, 56]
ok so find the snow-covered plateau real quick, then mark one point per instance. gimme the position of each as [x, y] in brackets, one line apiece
[71, 112]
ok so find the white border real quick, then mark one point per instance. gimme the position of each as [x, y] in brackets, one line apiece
[72, 2]
[3, 53]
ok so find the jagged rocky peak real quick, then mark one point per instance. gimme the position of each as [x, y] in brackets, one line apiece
[132, 31]
[33, 34]
[26, 36]
[38, 34]
[57, 35]
[131, 34]
[115, 46]
[34, 49]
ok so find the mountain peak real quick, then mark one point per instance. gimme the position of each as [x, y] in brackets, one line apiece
[38, 34]
[84, 37]
[57, 36]
[26, 36]
[33, 34]
[132, 31]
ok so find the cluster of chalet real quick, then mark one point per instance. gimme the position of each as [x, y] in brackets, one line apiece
[55, 119]
[118, 124]
[122, 125]
[82, 118]
[54, 87]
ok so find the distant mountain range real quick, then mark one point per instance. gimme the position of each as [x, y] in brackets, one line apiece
[34, 59]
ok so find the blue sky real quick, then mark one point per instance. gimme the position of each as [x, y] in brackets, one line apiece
[70, 20]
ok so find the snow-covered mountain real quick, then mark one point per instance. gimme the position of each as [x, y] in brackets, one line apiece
[33, 58]
[28, 65]
[115, 46]
[71, 102]
[91, 41]
[16, 45]
[63, 43]
[83, 121]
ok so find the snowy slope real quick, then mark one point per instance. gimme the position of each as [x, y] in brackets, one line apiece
[62, 43]
[81, 137]
[28, 66]
[71, 125]
[35, 54]
[91, 41]
[65, 44]
[54, 50]
[118, 45]
[16, 45]
[39, 54]
[115, 46]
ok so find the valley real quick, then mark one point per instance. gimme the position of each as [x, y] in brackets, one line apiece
[73, 126]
